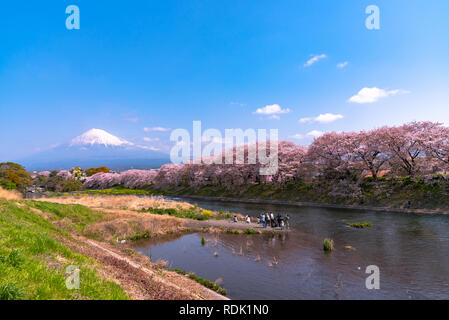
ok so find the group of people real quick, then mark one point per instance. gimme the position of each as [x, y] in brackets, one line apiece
[268, 219]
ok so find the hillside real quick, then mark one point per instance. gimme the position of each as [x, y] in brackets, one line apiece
[43, 244]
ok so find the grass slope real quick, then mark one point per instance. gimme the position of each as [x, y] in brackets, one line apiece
[32, 261]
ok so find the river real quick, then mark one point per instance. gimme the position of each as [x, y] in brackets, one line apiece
[410, 250]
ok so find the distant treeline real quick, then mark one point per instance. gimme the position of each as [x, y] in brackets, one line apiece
[411, 150]
[417, 148]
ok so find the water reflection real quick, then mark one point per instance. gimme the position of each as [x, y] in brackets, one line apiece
[410, 250]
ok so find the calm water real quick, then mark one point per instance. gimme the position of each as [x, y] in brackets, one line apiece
[412, 252]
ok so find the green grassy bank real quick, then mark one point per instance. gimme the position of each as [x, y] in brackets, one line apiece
[425, 192]
[33, 261]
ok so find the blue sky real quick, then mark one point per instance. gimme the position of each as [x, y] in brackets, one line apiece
[145, 64]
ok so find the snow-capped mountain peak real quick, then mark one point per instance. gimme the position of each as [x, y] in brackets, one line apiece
[96, 148]
[99, 137]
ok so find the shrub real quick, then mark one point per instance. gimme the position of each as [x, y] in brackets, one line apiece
[250, 231]
[183, 213]
[203, 241]
[207, 213]
[361, 225]
[58, 183]
[76, 172]
[328, 245]
[13, 175]
[92, 171]
[7, 185]
[15, 259]
[10, 291]
[139, 236]
[207, 283]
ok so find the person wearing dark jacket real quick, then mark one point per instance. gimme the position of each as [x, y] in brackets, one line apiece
[279, 219]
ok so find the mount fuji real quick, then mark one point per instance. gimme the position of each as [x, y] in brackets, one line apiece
[96, 148]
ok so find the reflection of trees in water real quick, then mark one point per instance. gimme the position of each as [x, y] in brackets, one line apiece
[338, 286]
[411, 251]
[267, 248]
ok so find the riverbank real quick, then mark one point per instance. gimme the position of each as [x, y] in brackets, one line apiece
[295, 266]
[186, 195]
[40, 240]
[189, 194]
[420, 194]
[102, 230]
[171, 216]
[315, 205]
[229, 226]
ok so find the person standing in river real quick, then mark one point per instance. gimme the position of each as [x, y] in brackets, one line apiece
[279, 219]
[282, 225]
[273, 222]
[264, 220]
[287, 225]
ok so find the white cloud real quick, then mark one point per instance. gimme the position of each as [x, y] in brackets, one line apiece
[370, 95]
[341, 65]
[149, 148]
[297, 136]
[315, 133]
[314, 59]
[159, 129]
[311, 134]
[323, 118]
[150, 139]
[272, 110]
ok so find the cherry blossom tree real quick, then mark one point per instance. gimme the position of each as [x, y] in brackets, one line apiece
[66, 174]
[291, 160]
[102, 180]
[44, 174]
[407, 143]
[367, 151]
[436, 142]
[137, 178]
[328, 154]
[410, 148]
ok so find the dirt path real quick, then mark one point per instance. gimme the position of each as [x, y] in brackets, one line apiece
[204, 293]
[140, 278]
